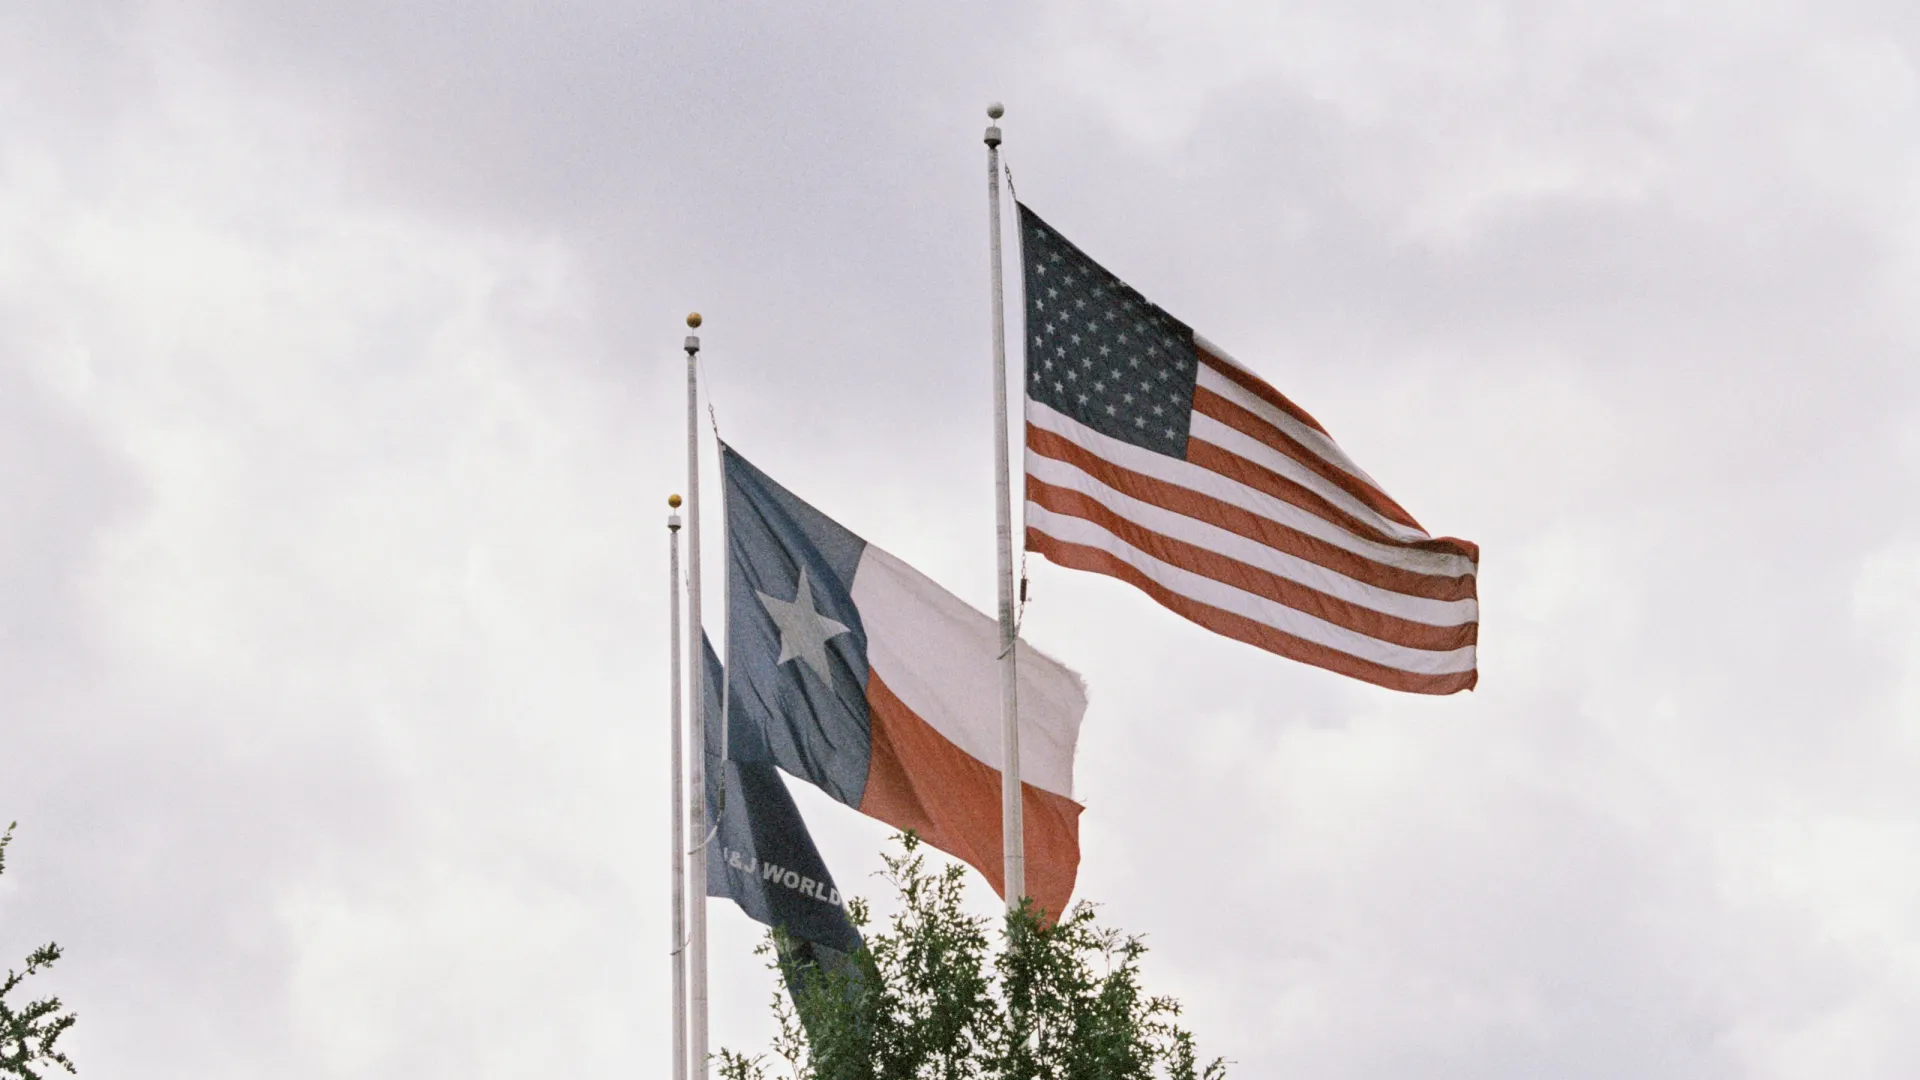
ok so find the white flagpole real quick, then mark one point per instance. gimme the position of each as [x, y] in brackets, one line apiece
[697, 774]
[1012, 836]
[678, 809]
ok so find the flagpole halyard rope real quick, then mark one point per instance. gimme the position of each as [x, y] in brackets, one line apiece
[1020, 240]
[726, 605]
[677, 955]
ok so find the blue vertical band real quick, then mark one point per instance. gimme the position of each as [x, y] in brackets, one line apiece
[796, 648]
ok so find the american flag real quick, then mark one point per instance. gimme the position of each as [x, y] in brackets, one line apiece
[1156, 458]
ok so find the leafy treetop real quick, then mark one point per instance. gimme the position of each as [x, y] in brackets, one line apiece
[29, 1033]
[928, 999]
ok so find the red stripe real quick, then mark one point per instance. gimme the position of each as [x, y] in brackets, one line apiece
[1248, 423]
[1378, 625]
[1241, 628]
[1260, 478]
[917, 779]
[1236, 519]
[1252, 383]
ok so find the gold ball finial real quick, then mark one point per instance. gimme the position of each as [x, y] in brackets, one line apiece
[996, 110]
[693, 320]
[673, 501]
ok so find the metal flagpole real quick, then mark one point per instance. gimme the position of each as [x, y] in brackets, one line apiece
[1012, 836]
[697, 774]
[678, 808]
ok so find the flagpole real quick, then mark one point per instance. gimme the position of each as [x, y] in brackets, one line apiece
[1012, 834]
[697, 774]
[677, 807]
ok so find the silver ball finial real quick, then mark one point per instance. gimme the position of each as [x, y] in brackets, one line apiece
[996, 110]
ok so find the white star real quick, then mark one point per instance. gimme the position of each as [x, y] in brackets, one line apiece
[804, 632]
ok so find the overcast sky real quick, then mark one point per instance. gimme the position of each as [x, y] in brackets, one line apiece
[341, 392]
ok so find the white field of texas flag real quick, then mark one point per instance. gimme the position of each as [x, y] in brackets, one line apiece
[881, 687]
[1154, 457]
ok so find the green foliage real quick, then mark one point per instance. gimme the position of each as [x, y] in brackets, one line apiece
[929, 999]
[29, 1033]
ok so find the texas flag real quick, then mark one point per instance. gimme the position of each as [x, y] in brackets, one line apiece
[883, 688]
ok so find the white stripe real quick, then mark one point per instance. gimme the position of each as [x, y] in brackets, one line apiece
[1231, 544]
[1227, 490]
[1207, 429]
[1207, 591]
[1312, 438]
[940, 657]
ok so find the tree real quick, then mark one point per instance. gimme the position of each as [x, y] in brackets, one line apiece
[29, 1034]
[927, 999]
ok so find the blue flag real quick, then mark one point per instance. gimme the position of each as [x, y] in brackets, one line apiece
[761, 856]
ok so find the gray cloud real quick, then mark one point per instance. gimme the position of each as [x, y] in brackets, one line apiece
[339, 384]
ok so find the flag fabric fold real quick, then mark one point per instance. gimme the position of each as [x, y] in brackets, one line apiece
[882, 688]
[761, 855]
[1154, 457]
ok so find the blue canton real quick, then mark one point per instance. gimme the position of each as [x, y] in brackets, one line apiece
[1098, 351]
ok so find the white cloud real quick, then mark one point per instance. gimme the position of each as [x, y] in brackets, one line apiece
[340, 386]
